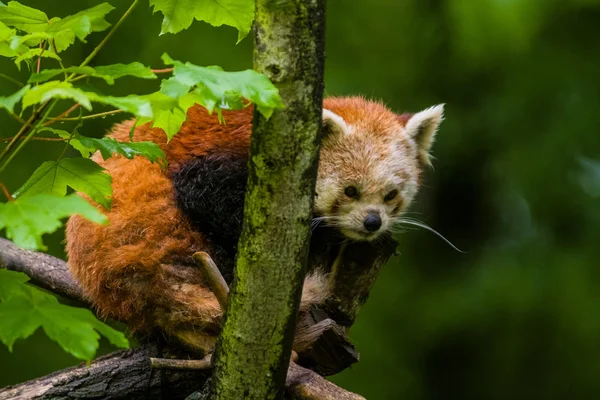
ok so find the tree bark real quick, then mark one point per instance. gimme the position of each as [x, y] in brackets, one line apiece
[120, 375]
[358, 268]
[253, 350]
[44, 270]
[303, 384]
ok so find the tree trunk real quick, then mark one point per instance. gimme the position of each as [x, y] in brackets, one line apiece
[253, 350]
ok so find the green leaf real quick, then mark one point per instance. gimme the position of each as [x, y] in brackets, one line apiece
[74, 140]
[81, 174]
[46, 74]
[214, 87]
[34, 54]
[169, 113]
[116, 71]
[79, 25]
[56, 89]
[179, 14]
[9, 102]
[24, 309]
[6, 33]
[29, 40]
[63, 31]
[9, 282]
[170, 121]
[136, 105]
[6, 51]
[24, 18]
[27, 218]
[109, 146]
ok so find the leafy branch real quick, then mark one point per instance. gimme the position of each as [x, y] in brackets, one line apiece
[108, 36]
[28, 35]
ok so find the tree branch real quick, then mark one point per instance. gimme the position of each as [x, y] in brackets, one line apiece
[168, 363]
[44, 270]
[304, 384]
[353, 270]
[213, 276]
[119, 375]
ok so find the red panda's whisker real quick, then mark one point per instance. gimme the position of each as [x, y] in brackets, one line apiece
[317, 220]
[410, 221]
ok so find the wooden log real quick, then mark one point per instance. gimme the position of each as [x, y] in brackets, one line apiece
[322, 345]
[357, 266]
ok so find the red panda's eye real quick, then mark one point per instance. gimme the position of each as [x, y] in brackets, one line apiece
[391, 195]
[351, 192]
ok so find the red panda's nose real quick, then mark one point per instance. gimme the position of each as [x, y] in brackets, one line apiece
[372, 222]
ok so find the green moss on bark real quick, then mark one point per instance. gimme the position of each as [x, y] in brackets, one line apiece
[254, 348]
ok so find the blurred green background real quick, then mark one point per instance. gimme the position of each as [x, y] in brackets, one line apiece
[516, 185]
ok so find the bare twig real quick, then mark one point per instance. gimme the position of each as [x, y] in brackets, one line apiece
[13, 80]
[37, 138]
[64, 114]
[23, 132]
[15, 116]
[213, 276]
[169, 363]
[6, 192]
[91, 116]
[163, 71]
[39, 60]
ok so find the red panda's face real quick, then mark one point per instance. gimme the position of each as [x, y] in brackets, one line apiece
[369, 173]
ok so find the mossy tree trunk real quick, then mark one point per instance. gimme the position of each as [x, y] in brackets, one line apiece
[253, 351]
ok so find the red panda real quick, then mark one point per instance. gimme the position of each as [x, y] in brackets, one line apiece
[139, 268]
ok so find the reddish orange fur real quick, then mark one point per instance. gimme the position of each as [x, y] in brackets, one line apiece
[133, 269]
[364, 114]
[130, 268]
[136, 268]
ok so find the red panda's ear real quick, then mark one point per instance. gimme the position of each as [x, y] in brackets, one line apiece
[422, 127]
[333, 124]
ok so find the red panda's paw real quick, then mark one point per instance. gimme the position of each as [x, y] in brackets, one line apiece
[196, 341]
[190, 314]
[315, 291]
